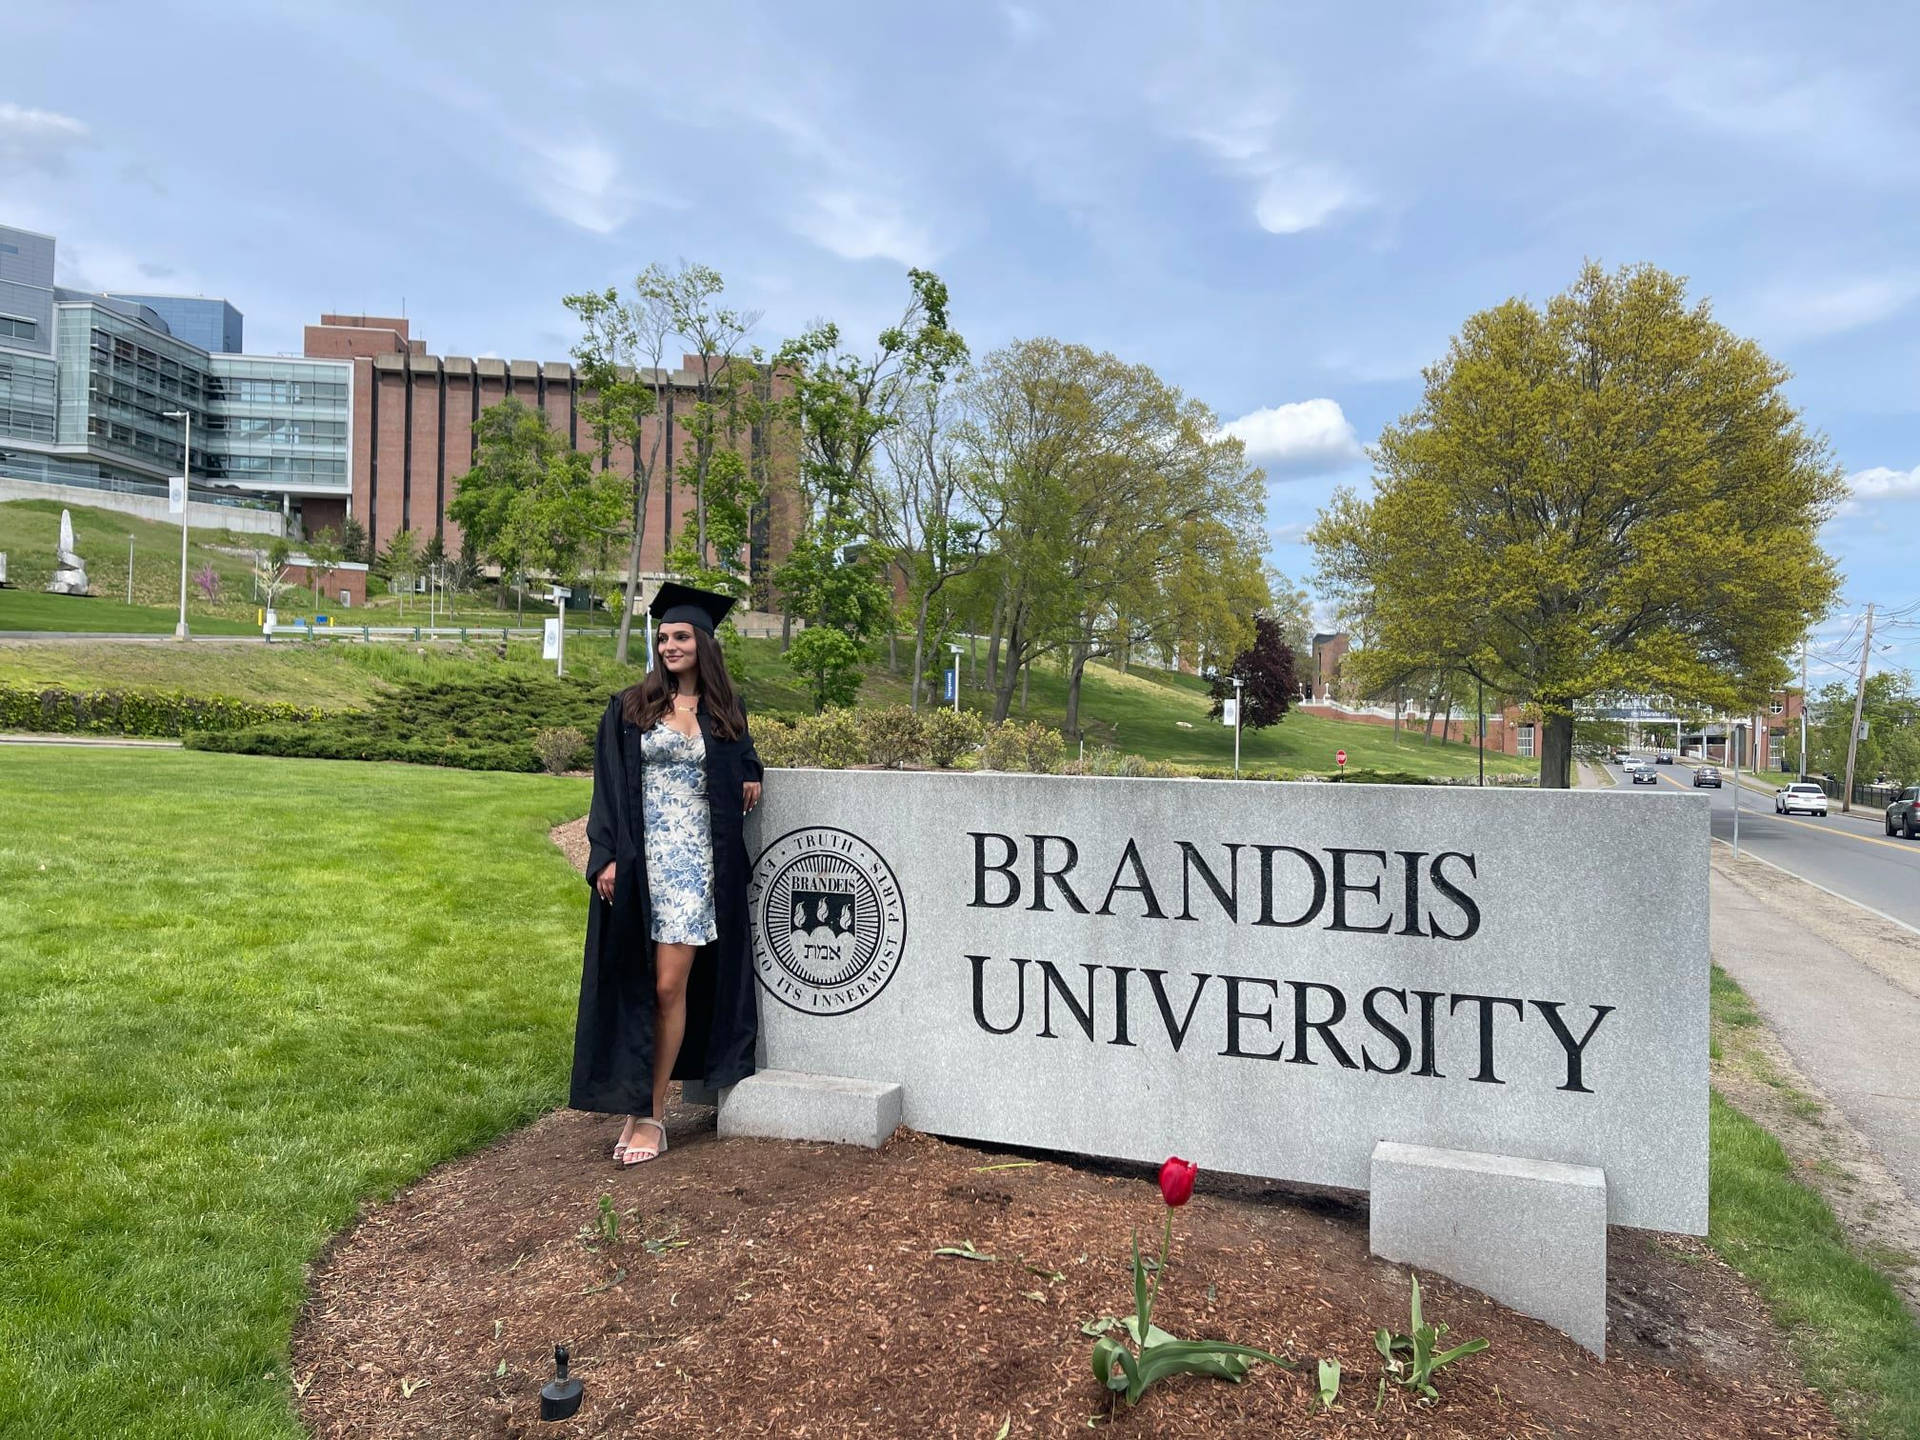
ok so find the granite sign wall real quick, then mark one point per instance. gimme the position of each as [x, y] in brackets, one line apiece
[1268, 979]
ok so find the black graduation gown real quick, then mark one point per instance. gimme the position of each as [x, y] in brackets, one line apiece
[613, 1037]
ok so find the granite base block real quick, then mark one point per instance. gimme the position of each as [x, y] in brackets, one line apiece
[789, 1105]
[1530, 1233]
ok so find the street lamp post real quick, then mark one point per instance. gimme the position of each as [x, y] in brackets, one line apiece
[956, 676]
[129, 569]
[1236, 724]
[186, 490]
[1733, 735]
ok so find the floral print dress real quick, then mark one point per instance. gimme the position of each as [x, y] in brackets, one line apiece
[678, 831]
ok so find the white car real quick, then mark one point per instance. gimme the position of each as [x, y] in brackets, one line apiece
[1807, 799]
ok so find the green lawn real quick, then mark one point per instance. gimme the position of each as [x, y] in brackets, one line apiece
[1843, 1318]
[208, 1060]
[1140, 711]
[30, 532]
[22, 609]
[237, 997]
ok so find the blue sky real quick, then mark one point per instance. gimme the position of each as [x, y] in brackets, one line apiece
[1286, 210]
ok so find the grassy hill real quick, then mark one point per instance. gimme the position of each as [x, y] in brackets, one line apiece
[1151, 713]
[30, 532]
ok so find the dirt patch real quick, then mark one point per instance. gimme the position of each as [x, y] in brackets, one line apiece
[572, 840]
[1754, 1071]
[759, 1287]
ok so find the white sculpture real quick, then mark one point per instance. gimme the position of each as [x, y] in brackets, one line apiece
[70, 571]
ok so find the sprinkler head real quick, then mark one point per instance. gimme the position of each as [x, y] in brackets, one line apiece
[559, 1397]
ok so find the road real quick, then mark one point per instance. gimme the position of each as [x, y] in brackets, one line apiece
[1851, 855]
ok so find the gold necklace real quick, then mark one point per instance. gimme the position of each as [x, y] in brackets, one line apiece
[683, 702]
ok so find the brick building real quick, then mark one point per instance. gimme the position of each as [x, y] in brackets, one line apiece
[412, 439]
[1328, 651]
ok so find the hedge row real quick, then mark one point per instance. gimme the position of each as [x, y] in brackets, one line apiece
[148, 714]
[324, 741]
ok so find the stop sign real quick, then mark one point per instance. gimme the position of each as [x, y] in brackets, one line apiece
[1340, 757]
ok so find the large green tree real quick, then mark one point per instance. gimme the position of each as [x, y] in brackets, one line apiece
[1608, 494]
[1120, 515]
[622, 353]
[513, 446]
[839, 405]
[1891, 713]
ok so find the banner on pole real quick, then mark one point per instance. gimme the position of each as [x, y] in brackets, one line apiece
[550, 639]
[176, 495]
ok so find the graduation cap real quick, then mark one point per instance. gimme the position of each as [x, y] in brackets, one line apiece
[702, 609]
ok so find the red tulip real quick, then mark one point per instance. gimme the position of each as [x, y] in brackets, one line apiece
[1176, 1180]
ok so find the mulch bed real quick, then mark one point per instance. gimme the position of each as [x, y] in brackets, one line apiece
[765, 1288]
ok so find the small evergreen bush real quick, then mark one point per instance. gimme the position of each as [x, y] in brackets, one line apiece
[1023, 745]
[892, 736]
[829, 741]
[951, 734]
[561, 749]
[162, 714]
[776, 742]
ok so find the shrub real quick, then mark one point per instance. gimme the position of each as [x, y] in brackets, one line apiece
[951, 734]
[328, 742]
[1028, 745]
[560, 750]
[489, 722]
[892, 736]
[776, 742]
[830, 740]
[148, 714]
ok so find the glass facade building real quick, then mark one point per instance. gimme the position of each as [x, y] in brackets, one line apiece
[212, 325]
[87, 403]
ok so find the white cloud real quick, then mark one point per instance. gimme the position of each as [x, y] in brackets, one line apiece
[858, 226]
[38, 140]
[1807, 313]
[1302, 197]
[1303, 438]
[1291, 195]
[1880, 483]
[1710, 76]
[579, 181]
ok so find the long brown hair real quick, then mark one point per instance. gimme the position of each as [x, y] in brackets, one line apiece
[644, 704]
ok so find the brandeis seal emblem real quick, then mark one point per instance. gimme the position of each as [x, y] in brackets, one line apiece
[829, 922]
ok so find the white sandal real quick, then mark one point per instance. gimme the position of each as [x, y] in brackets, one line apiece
[634, 1155]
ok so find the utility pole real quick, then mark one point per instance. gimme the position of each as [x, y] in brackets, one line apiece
[1859, 697]
[1803, 707]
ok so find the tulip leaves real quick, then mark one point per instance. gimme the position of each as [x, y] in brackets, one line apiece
[1412, 1359]
[1155, 1354]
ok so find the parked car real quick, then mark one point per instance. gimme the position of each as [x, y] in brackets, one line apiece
[1903, 815]
[1706, 775]
[1800, 796]
[1645, 774]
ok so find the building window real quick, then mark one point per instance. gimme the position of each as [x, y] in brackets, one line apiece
[1777, 707]
[1526, 742]
[1776, 749]
[13, 327]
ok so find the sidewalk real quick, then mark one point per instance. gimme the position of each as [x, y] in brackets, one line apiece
[1848, 1025]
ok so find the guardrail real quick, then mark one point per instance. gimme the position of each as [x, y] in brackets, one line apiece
[306, 630]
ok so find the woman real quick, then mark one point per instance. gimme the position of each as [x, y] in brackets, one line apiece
[667, 991]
